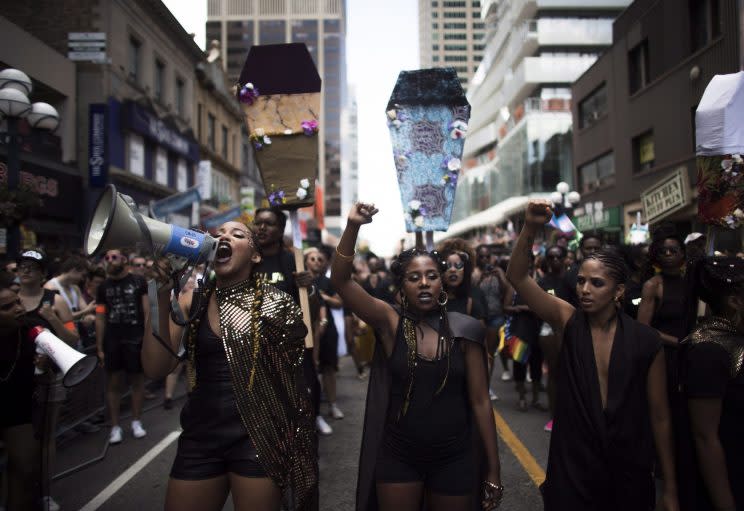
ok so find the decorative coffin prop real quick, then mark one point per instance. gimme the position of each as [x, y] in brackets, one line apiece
[279, 92]
[427, 116]
[719, 130]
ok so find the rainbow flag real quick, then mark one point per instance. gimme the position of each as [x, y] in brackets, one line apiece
[520, 350]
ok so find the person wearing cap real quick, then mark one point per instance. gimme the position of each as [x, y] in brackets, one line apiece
[48, 309]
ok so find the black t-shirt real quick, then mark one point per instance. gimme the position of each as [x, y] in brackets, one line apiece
[278, 270]
[708, 375]
[122, 298]
[556, 285]
[478, 309]
[383, 289]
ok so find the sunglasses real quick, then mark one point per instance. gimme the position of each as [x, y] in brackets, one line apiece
[112, 257]
[315, 259]
[670, 250]
[456, 266]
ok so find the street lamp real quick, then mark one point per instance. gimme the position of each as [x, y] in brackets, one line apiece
[564, 199]
[15, 87]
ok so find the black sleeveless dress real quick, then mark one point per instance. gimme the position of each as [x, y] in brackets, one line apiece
[431, 442]
[214, 440]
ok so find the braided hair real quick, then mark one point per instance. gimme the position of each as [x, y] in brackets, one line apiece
[410, 323]
[613, 262]
[714, 279]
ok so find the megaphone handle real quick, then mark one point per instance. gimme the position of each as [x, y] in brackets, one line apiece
[142, 227]
[39, 351]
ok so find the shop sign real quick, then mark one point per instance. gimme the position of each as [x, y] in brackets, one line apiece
[607, 219]
[148, 124]
[53, 188]
[97, 155]
[667, 196]
[87, 46]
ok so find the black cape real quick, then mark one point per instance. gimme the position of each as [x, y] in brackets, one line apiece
[378, 398]
[602, 460]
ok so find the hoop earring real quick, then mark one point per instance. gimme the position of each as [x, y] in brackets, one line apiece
[443, 302]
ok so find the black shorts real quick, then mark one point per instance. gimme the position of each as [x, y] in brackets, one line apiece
[214, 441]
[453, 476]
[328, 351]
[122, 355]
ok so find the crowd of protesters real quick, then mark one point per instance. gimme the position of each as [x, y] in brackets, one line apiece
[540, 329]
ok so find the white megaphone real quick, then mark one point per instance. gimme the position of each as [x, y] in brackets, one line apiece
[116, 224]
[74, 365]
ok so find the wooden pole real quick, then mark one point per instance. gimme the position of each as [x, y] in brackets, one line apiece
[300, 266]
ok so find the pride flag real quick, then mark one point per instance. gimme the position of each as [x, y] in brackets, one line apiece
[513, 346]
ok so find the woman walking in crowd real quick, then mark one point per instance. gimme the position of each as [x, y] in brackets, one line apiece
[462, 295]
[523, 324]
[427, 390]
[612, 406]
[247, 426]
[713, 383]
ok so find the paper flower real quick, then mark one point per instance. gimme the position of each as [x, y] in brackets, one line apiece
[392, 114]
[305, 183]
[310, 127]
[727, 164]
[288, 131]
[458, 129]
[414, 204]
[301, 193]
[418, 221]
[277, 198]
[248, 94]
[452, 163]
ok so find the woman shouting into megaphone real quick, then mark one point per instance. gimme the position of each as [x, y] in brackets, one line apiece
[247, 426]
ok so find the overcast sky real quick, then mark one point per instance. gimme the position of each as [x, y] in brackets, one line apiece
[382, 40]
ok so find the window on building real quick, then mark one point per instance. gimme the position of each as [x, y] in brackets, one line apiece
[435, 4]
[210, 132]
[435, 47]
[435, 58]
[454, 14]
[455, 58]
[460, 37]
[180, 96]
[435, 14]
[135, 49]
[455, 47]
[477, 58]
[593, 107]
[456, 26]
[643, 151]
[638, 71]
[454, 4]
[705, 22]
[476, 4]
[479, 47]
[159, 79]
[435, 26]
[479, 25]
[597, 174]
[224, 142]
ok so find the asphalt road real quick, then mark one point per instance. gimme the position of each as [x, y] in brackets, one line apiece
[133, 475]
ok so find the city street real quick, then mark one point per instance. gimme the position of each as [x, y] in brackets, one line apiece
[133, 475]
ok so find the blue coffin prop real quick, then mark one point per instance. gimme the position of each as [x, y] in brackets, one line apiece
[428, 116]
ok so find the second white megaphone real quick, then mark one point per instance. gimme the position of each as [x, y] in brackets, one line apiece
[117, 224]
[74, 365]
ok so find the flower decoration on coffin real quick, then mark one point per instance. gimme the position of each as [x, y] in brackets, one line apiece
[260, 138]
[277, 197]
[721, 190]
[416, 213]
[458, 129]
[396, 117]
[452, 166]
[309, 127]
[301, 192]
[248, 93]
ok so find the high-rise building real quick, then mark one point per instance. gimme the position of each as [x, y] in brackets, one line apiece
[349, 153]
[519, 137]
[451, 35]
[321, 25]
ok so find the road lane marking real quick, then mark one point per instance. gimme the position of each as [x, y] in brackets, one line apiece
[128, 474]
[525, 458]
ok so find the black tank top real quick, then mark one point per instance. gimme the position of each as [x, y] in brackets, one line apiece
[435, 427]
[32, 318]
[669, 318]
[210, 358]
